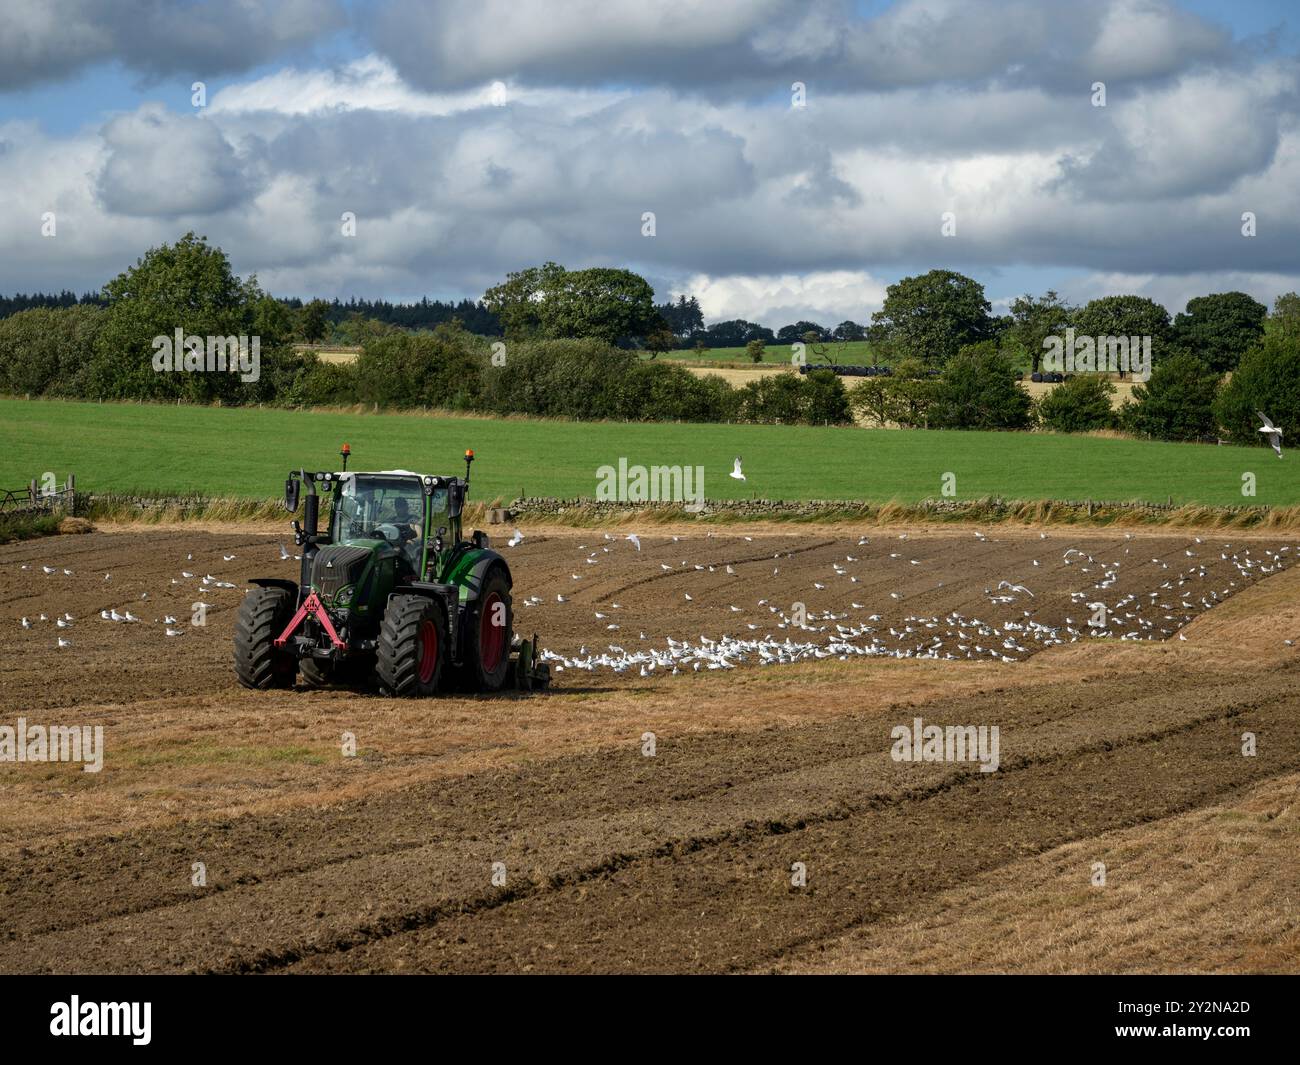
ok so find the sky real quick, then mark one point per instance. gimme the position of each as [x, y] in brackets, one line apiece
[470, 139]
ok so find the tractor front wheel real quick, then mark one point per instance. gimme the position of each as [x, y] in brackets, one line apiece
[412, 646]
[262, 617]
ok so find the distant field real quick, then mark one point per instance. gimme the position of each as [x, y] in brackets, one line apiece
[853, 353]
[336, 353]
[234, 452]
[738, 376]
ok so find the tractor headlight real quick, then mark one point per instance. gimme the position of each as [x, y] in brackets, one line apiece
[344, 598]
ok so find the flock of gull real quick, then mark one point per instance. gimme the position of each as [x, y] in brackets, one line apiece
[122, 615]
[793, 633]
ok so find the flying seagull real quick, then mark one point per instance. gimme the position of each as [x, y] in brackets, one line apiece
[736, 471]
[1271, 431]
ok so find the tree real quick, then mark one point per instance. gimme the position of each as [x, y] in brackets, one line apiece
[1034, 319]
[313, 321]
[43, 350]
[517, 301]
[816, 343]
[849, 330]
[1176, 403]
[755, 349]
[683, 317]
[911, 394]
[825, 400]
[735, 334]
[607, 304]
[1286, 314]
[1080, 405]
[1219, 328]
[189, 286]
[1128, 316]
[660, 339]
[978, 390]
[790, 334]
[1268, 380]
[438, 369]
[932, 316]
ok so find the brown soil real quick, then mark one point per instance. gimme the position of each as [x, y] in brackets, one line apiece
[1127, 752]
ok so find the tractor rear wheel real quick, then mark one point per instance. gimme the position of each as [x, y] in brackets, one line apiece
[487, 644]
[262, 617]
[412, 646]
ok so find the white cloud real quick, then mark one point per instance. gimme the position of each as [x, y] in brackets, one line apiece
[827, 298]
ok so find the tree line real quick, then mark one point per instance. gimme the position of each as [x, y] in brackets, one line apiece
[88, 351]
[572, 341]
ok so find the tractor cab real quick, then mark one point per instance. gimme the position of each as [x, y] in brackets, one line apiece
[387, 512]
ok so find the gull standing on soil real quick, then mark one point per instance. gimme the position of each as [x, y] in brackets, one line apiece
[515, 540]
[1272, 432]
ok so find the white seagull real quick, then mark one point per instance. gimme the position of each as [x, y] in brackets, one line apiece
[1272, 432]
[736, 471]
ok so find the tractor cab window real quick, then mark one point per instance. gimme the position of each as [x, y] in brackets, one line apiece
[384, 508]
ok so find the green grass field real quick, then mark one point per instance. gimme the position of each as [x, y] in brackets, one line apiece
[852, 353]
[247, 453]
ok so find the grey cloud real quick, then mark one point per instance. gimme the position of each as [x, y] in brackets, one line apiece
[45, 40]
[733, 47]
[165, 165]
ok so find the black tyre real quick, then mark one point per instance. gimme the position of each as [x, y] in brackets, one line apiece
[317, 674]
[487, 638]
[412, 646]
[262, 617]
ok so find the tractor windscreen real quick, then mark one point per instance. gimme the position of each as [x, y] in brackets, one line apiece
[383, 508]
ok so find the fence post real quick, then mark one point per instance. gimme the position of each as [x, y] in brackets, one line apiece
[72, 494]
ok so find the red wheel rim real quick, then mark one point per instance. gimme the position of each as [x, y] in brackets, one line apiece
[491, 638]
[428, 660]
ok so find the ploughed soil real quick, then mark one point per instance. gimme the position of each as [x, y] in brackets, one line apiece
[736, 811]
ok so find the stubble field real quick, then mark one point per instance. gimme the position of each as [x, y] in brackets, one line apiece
[536, 833]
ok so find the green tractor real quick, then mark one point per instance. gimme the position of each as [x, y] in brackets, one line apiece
[391, 591]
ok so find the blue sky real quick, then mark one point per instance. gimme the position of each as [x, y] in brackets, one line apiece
[382, 108]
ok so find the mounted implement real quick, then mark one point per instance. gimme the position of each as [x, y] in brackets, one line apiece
[391, 591]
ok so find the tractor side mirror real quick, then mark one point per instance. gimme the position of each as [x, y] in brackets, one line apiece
[291, 490]
[456, 500]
